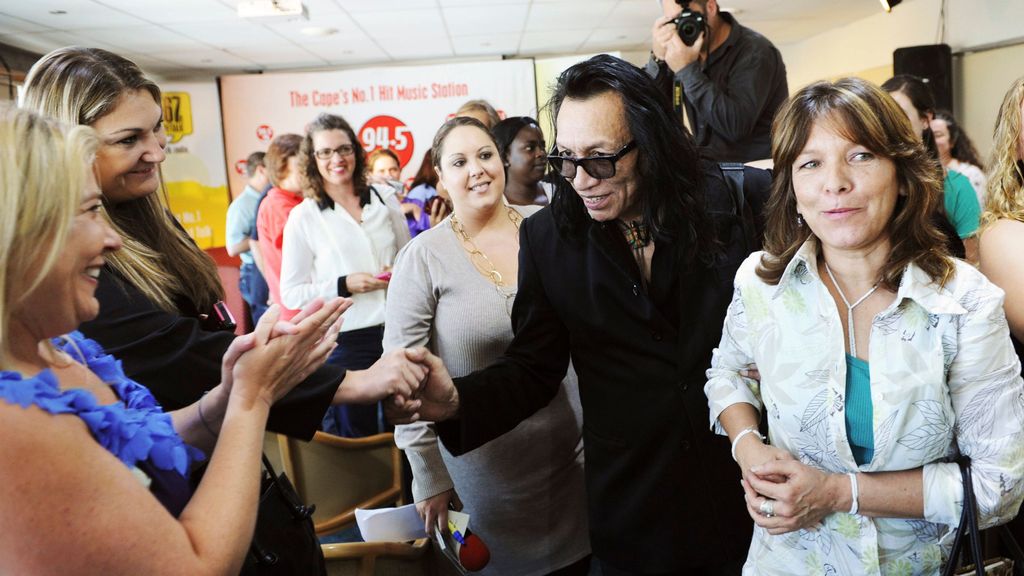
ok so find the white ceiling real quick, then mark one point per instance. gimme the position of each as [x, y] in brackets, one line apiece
[204, 37]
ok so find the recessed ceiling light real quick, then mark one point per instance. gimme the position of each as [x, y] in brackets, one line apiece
[58, 12]
[319, 31]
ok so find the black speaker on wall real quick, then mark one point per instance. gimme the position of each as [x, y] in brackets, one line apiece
[932, 62]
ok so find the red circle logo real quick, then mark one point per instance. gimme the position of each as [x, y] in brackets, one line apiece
[240, 166]
[265, 133]
[388, 132]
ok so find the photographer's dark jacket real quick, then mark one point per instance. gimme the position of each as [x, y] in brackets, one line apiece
[178, 360]
[663, 492]
[731, 97]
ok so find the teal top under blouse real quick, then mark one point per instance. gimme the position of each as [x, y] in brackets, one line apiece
[859, 422]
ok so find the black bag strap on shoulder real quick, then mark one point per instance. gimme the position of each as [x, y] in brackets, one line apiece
[734, 174]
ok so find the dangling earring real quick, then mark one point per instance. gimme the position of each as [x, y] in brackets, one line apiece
[799, 221]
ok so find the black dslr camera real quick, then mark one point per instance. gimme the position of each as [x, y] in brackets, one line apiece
[689, 24]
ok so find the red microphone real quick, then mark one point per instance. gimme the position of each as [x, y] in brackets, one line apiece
[473, 553]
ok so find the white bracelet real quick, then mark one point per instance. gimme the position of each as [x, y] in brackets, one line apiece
[744, 432]
[854, 493]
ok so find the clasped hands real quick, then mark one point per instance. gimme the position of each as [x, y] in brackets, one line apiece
[782, 494]
[278, 355]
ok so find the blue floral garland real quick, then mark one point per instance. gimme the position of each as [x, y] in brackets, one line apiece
[135, 429]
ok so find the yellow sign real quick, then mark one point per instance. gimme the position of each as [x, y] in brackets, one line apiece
[177, 115]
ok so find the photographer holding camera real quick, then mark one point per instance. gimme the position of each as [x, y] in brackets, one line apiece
[729, 79]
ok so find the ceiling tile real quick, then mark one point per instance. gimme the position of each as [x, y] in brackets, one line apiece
[632, 14]
[43, 42]
[337, 20]
[353, 6]
[618, 38]
[494, 19]
[488, 44]
[552, 42]
[150, 63]
[343, 50]
[280, 54]
[207, 59]
[405, 24]
[77, 14]
[10, 24]
[177, 11]
[147, 38]
[562, 16]
[225, 33]
[421, 48]
[454, 3]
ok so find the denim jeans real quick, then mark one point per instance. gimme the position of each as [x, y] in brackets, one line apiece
[357, 350]
[254, 290]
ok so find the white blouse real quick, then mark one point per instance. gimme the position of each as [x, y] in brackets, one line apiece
[944, 377]
[322, 245]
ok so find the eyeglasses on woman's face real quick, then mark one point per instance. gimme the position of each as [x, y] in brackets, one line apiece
[601, 167]
[328, 153]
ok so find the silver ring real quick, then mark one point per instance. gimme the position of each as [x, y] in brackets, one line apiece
[767, 508]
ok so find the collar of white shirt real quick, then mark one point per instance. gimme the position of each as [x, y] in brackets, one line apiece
[915, 284]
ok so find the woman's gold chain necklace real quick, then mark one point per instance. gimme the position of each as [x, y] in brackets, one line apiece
[480, 260]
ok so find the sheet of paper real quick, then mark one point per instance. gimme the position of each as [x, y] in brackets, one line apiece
[390, 524]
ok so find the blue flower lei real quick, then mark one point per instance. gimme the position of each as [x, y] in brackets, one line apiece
[135, 429]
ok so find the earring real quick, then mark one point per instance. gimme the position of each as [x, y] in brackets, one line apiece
[799, 221]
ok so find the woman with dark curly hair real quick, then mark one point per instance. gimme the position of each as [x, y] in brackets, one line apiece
[342, 241]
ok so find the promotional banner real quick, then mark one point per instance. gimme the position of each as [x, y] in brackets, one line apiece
[193, 173]
[399, 108]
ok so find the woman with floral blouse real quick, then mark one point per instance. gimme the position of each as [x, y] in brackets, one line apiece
[881, 357]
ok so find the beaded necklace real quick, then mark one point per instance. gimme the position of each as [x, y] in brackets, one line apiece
[638, 236]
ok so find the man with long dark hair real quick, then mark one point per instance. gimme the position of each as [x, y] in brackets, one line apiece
[628, 273]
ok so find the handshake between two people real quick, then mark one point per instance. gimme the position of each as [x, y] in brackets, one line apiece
[413, 383]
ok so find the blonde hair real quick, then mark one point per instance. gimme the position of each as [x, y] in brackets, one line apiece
[1005, 177]
[43, 170]
[865, 114]
[480, 106]
[79, 86]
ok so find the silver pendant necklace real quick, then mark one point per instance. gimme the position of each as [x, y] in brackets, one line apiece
[849, 308]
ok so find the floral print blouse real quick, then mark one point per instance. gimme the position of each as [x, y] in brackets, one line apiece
[944, 379]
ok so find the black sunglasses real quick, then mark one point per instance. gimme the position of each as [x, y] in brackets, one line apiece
[600, 167]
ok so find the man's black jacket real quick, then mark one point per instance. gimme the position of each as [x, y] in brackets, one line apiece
[663, 492]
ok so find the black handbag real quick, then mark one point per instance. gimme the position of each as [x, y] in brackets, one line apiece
[285, 541]
[969, 529]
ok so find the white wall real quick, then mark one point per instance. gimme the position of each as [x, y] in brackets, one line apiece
[986, 36]
[869, 43]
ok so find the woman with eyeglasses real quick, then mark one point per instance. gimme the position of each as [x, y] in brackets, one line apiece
[342, 241]
[453, 291]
